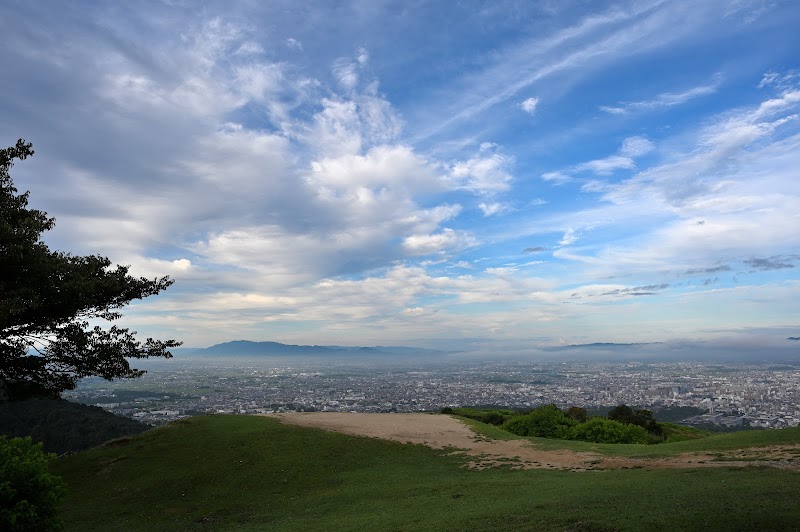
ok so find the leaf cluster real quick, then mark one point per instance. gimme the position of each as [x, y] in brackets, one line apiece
[29, 494]
[48, 299]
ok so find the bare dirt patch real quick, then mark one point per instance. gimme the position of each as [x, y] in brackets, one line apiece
[445, 432]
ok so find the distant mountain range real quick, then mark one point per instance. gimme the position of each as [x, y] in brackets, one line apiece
[248, 348]
[597, 345]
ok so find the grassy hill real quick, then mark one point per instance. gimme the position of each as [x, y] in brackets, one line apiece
[253, 473]
[63, 426]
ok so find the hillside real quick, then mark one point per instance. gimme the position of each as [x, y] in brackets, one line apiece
[257, 473]
[64, 426]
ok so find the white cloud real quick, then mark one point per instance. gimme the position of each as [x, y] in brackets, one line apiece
[446, 240]
[569, 238]
[275, 198]
[608, 166]
[623, 160]
[346, 73]
[578, 50]
[484, 174]
[294, 44]
[383, 170]
[363, 56]
[529, 105]
[557, 178]
[665, 99]
[490, 209]
[636, 147]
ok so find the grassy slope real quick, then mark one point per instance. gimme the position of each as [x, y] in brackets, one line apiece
[252, 473]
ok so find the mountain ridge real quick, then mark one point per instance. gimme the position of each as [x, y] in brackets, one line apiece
[266, 348]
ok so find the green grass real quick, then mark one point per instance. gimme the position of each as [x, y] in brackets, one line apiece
[715, 443]
[491, 432]
[252, 473]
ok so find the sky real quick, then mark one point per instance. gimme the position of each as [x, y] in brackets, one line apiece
[450, 174]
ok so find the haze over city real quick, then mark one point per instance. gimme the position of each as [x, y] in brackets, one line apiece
[460, 176]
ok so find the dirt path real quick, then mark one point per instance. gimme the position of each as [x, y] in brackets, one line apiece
[441, 432]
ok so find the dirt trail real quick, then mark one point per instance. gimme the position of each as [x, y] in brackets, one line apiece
[441, 432]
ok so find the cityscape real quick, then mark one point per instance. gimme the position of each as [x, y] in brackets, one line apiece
[732, 396]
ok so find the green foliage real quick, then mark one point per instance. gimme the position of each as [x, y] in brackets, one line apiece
[642, 418]
[47, 299]
[578, 414]
[546, 421]
[29, 494]
[600, 430]
[64, 426]
[257, 474]
[490, 416]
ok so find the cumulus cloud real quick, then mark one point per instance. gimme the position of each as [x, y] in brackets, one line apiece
[485, 174]
[529, 105]
[446, 240]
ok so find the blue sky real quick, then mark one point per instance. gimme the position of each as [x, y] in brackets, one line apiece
[527, 174]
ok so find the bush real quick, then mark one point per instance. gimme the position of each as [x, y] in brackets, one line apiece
[601, 430]
[29, 494]
[547, 421]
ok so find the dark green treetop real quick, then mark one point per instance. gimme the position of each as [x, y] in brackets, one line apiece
[47, 299]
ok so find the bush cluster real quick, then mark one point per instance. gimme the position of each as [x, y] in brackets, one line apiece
[549, 421]
[29, 494]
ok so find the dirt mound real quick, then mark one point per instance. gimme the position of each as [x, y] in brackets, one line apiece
[443, 432]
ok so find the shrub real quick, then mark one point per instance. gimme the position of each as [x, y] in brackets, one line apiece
[601, 430]
[29, 494]
[547, 421]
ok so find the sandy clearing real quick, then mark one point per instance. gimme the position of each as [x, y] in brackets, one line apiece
[442, 432]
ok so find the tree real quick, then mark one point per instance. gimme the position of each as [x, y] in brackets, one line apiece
[623, 414]
[47, 299]
[578, 414]
[29, 494]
